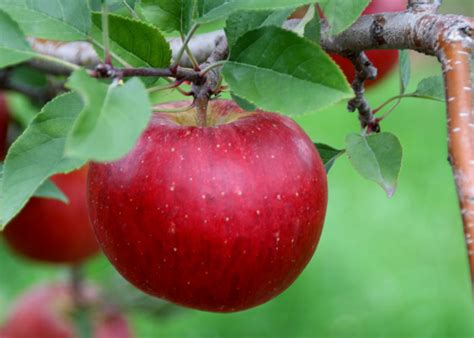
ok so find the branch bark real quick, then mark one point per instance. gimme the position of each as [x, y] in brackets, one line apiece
[365, 70]
[455, 60]
[413, 29]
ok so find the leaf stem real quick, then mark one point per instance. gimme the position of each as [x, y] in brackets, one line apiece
[212, 66]
[176, 110]
[58, 61]
[105, 33]
[171, 85]
[181, 51]
[190, 54]
[397, 97]
[130, 9]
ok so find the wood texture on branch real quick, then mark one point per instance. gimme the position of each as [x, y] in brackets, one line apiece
[455, 59]
[414, 29]
[83, 53]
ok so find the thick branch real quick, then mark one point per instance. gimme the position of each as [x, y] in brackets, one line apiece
[455, 59]
[413, 29]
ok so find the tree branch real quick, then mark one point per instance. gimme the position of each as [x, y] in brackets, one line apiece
[365, 70]
[455, 60]
[413, 29]
[420, 28]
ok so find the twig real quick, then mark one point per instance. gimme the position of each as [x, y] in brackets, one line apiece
[108, 71]
[76, 285]
[365, 70]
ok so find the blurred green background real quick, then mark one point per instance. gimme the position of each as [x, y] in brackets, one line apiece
[383, 268]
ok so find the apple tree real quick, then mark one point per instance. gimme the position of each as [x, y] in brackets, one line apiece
[224, 177]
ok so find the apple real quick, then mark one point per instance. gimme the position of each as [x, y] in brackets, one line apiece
[4, 119]
[51, 231]
[218, 218]
[384, 60]
[47, 312]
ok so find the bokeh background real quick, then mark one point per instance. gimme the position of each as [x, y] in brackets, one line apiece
[384, 267]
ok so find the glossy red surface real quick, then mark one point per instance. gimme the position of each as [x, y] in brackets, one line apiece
[220, 218]
[46, 312]
[51, 231]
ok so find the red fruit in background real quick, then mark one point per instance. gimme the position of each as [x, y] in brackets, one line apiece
[4, 119]
[47, 312]
[51, 231]
[221, 218]
[383, 60]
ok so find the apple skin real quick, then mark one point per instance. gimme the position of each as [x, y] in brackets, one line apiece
[46, 312]
[51, 231]
[4, 119]
[384, 60]
[221, 218]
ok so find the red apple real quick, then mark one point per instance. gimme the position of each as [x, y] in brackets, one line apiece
[51, 231]
[384, 60]
[4, 119]
[47, 312]
[220, 218]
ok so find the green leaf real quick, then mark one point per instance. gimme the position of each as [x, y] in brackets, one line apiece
[405, 70]
[211, 10]
[328, 154]
[46, 190]
[281, 72]
[377, 157]
[133, 43]
[38, 153]
[114, 5]
[168, 15]
[49, 190]
[244, 104]
[341, 14]
[64, 20]
[308, 16]
[431, 88]
[13, 45]
[112, 120]
[312, 30]
[244, 21]
[21, 109]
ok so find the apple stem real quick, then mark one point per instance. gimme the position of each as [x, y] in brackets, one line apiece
[76, 280]
[201, 101]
